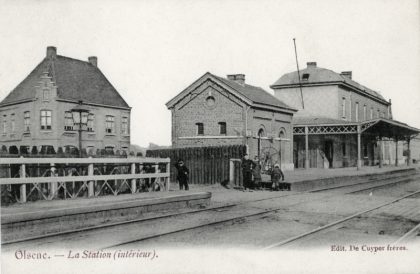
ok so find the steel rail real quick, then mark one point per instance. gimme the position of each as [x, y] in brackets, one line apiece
[253, 215]
[303, 235]
[409, 234]
[102, 226]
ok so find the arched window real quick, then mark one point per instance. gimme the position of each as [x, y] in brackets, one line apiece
[282, 133]
[260, 135]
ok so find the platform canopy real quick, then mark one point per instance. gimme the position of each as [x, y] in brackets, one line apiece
[387, 128]
[380, 127]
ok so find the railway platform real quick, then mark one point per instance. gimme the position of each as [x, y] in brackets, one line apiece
[314, 179]
[28, 220]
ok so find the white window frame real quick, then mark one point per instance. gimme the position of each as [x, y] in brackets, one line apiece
[68, 120]
[12, 123]
[110, 124]
[356, 114]
[46, 119]
[27, 121]
[343, 107]
[91, 122]
[124, 125]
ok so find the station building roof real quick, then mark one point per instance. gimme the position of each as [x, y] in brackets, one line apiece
[254, 96]
[74, 79]
[314, 75]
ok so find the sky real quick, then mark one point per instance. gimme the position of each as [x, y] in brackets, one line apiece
[152, 50]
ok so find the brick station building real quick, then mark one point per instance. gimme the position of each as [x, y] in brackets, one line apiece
[38, 111]
[216, 111]
[340, 123]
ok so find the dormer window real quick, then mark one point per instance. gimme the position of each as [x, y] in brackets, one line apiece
[305, 76]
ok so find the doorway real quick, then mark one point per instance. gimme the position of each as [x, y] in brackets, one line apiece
[329, 152]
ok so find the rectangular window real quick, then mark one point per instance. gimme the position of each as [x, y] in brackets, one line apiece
[350, 109]
[27, 121]
[378, 114]
[222, 126]
[91, 122]
[45, 119]
[68, 120]
[124, 125]
[343, 147]
[364, 113]
[110, 124]
[343, 107]
[305, 76]
[45, 95]
[12, 122]
[4, 124]
[371, 113]
[200, 128]
[356, 114]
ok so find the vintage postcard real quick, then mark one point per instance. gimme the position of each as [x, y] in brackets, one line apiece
[235, 136]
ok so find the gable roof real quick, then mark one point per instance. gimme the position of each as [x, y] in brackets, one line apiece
[75, 80]
[319, 75]
[255, 96]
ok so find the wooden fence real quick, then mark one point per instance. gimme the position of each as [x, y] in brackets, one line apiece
[207, 165]
[30, 179]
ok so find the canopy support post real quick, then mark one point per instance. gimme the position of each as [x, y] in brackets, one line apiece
[359, 159]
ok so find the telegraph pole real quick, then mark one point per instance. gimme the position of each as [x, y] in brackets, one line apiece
[297, 65]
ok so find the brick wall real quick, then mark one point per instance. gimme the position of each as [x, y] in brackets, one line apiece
[195, 109]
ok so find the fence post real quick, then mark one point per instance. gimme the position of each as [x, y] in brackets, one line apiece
[231, 172]
[168, 179]
[22, 186]
[91, 188]
[157, 179]
[53, 186]
[133, 181]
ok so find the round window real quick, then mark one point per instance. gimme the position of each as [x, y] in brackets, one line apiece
[210, 101]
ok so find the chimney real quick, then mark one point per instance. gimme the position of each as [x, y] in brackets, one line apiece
[51, 52]
[238, 78]
[347, 74]
[93, 60]
[311, 64]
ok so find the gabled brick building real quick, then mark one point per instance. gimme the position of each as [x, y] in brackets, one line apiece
[217, 111]
[37, 111]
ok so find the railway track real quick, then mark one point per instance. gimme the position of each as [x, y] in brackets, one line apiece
[321, 229]
[361, 186]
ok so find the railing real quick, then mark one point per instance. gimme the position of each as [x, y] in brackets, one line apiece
[69, 178]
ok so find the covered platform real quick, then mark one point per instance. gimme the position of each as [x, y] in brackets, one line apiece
[339, 143]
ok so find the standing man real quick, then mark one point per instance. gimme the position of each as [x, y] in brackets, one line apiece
[183, 174]
[247, 167]
[256, 173]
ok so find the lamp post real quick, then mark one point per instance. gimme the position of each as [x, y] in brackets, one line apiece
[80, 118]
